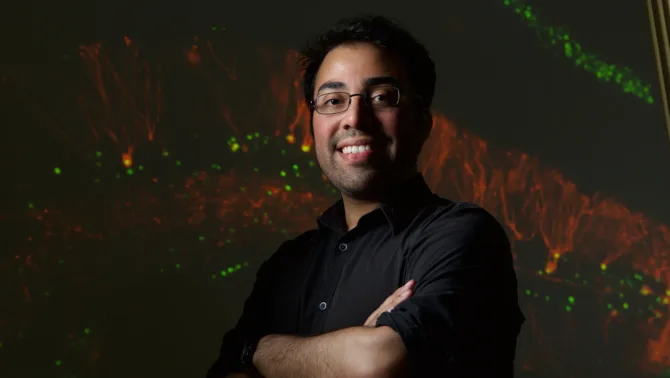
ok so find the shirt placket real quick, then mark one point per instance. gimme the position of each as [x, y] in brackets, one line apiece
[333, 276]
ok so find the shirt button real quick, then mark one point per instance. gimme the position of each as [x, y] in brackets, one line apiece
[322, 306]
[343, 247]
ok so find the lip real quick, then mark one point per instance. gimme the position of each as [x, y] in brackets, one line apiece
[353, 142]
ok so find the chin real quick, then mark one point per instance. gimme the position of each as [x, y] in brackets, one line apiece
[366, 186]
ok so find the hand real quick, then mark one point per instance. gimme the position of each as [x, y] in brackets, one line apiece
[389, 304]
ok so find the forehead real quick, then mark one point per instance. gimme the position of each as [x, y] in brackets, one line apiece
[353, 65]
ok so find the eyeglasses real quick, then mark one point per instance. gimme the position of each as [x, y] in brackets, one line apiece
[338, 102]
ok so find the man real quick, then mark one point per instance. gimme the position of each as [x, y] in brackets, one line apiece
[395, 281]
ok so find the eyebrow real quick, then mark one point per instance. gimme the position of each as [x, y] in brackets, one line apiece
[371, 82]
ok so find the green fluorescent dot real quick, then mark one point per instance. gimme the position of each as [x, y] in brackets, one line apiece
[165, 153]
[238, 266]
[568, 308]
[87, 331]
[558, 37]
[98, 154]
[288, 188]
[282, 174]
[31, 205]
[130, 171]
[223, 273]
[57, 171]
[571, 299]
[177, 163]
[625, 306]
[230, 270]
[177, 266]
[59, 362]
[528, 292]
[295, 167]
[201, 238]
[269, 192]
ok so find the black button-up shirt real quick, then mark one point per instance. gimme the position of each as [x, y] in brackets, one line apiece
[462, 319]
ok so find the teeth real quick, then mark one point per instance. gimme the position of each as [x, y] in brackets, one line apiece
[355, 149]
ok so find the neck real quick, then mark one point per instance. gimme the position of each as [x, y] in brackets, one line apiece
[355, 208]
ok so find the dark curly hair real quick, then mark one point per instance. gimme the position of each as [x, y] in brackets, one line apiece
[383, 33]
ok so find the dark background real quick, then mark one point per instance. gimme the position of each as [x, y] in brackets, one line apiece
[121, 275]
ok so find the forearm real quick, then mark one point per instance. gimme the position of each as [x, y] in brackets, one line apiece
[353, 352]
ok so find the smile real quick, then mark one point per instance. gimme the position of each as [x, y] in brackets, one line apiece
[355, 154]
[356, 149]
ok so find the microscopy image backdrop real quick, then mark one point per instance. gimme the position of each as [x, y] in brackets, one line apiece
[154, 155]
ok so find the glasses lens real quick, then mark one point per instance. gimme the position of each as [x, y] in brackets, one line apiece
[384, 97]
[329, 103]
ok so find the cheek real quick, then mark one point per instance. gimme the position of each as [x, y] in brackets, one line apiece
[392, 124]
[322, 135]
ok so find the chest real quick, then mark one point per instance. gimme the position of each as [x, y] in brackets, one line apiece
[347, 280]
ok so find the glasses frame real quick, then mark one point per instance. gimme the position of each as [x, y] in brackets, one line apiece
[363, 95]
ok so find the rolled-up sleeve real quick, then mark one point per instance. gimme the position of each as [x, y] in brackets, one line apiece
[463, 317]
[252, 323]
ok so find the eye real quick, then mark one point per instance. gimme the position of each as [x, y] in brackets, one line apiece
[330, 100]
[384, 96]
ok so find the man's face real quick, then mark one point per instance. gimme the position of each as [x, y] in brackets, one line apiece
[364, 149]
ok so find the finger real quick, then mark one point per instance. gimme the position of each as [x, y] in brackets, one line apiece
[407, 286]
[397, 299]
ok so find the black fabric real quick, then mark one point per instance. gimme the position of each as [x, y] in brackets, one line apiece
[463, 318]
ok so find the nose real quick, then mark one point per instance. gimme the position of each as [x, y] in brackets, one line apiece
[356, 112]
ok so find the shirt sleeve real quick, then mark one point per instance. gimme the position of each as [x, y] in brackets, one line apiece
[252, 323]
[463, 317]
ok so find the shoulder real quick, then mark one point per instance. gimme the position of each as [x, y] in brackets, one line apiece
[288, 254]
[458, 236]
[295, 247]
[457, 230]
[464, 218]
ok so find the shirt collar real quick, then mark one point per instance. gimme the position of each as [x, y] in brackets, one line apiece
[401, 207]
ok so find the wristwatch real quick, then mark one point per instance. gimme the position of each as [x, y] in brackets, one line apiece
[247, 357]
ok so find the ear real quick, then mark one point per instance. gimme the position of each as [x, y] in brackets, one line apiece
[426, 123]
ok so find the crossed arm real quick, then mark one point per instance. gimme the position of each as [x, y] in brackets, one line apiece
[365, 352]
[352, 352]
